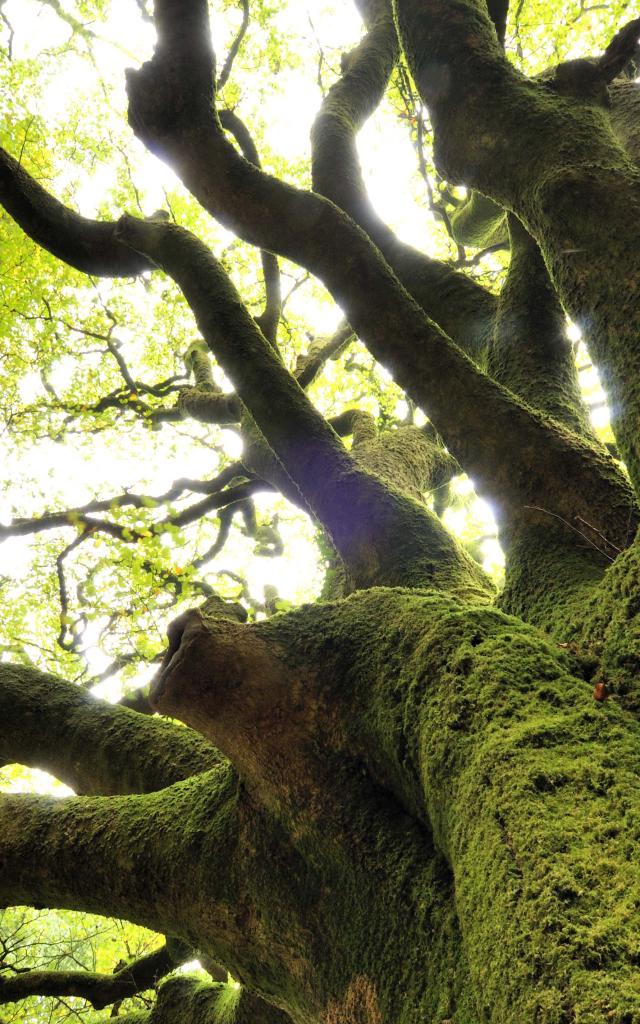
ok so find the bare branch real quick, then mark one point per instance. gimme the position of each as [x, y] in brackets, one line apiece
[217, 497]
[223, 77]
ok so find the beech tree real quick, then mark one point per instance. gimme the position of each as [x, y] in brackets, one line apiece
[418, 798]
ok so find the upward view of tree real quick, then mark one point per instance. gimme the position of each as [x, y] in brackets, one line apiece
[414, 799]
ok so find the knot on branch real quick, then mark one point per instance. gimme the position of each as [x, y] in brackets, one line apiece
[238, 685]
[164, 101]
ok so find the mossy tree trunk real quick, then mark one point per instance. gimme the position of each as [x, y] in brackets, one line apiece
[404, 805]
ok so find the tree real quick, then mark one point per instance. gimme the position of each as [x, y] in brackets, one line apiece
[415, 799]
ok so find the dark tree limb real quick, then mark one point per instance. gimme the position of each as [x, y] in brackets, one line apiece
[223, 77]
[309, 365]
[460, 306]
[619, 52]
[530, 352]
[358, 511]
[498, 12]
[270, 317]
[574, 162]
[98, 989]
[484, 427]
[88, 245]
[80, 517]
[129, 753]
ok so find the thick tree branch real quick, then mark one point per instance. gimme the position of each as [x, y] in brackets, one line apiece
[486, 116]
[482, 425]
[130, 753]
[163, 860]
[498, 12]
[98, 989]
[88, 245]
[359, 512]
[461, 307]
[530, 352]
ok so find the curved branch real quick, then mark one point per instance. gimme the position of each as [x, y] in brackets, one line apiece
[270, 317]
[485, 116]
[98, 989]
[309, 365]
[360, 513]
[190, 1002]
[52, 724]
[164, 860]
[183, 1000]
[530, 352]
[461, 307]
[484, 427]
[88, 245]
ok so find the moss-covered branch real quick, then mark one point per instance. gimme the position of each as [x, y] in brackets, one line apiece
[489, 733]
[89, 245]
[484, 428]
[487, 431]
[184, 1000]
[550, 564]
[51, 724]
[548, 151]
[187, 1001]
[530, 352]
[164, 860]
[98, 989]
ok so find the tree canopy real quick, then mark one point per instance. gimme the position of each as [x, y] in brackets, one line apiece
[320, 404]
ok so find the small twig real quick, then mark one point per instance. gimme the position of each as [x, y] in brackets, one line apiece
[223, 77]
[67, 645]
[605, 554]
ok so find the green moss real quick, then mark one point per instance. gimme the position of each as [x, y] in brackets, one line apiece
[477, 723]
[550, 575]
[607, 629]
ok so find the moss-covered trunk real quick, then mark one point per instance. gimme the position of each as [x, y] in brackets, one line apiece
[442, 817]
